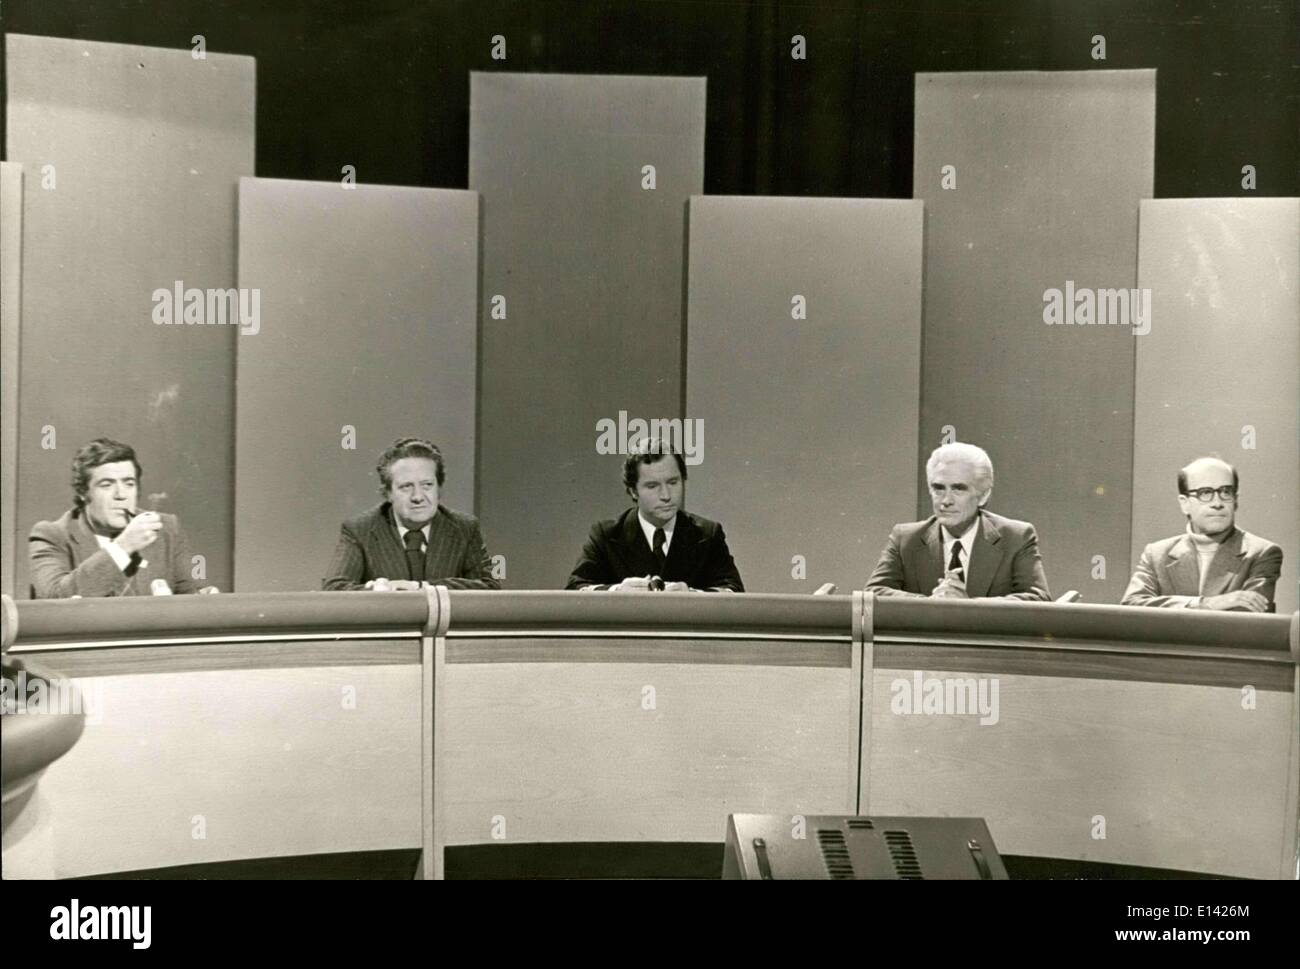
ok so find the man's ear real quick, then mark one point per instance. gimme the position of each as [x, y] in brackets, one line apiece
[984, 499]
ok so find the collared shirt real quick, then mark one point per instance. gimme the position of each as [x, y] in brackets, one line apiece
[967, 543]
[649, 531]
[402, 530]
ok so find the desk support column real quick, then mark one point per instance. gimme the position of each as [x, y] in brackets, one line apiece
[8, 622]
[1290, 865]
[864, 661]
[433, 658]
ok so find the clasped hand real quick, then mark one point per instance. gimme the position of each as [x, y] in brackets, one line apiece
[951, 586]
[395, 585]
[641, 583]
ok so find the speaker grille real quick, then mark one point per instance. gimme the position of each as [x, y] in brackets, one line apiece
[903, 854]
[835, 853]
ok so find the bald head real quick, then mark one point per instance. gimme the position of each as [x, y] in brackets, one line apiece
[1200, 468]
[1207, 495]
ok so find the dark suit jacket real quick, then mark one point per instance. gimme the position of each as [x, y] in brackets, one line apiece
[1004, 562]
[66, 560]
[369, 548]
[616, 550]
[1169, 573]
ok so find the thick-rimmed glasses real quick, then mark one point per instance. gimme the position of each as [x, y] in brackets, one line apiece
[1227, 493]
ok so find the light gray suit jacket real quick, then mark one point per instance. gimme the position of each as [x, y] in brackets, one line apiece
[1169, 572]
[1004, 562]
[67, 560]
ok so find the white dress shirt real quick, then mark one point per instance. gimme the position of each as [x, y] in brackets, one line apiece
[649, 530]
[967, 543]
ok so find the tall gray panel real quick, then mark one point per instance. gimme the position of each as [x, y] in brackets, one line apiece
[368, 335]
[1219, 373]
[809, 445]
[590, 265]
[11, 236]
[1048, 170]
[130, 155]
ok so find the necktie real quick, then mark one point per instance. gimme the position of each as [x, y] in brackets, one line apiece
[660, 558]
[414, 540]
[955, 561]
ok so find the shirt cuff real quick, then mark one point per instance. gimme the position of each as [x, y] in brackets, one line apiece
[121, 556]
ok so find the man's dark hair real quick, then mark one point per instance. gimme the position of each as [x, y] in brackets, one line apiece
[1182, 474]
[647, 452]
[408, 447]
[102, 450]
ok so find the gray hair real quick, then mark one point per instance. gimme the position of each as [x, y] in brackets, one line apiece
[957, 451]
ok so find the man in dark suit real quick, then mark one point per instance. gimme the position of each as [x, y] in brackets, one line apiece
[410, 540]
[656, 543]
[105, 545]
[1214, 564]
[962, 551]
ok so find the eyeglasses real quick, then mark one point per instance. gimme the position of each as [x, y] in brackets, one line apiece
[1227, 493]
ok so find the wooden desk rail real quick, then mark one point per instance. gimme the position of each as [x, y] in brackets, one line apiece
[770, 702]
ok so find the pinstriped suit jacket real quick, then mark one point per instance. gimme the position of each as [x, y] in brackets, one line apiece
[369, 548]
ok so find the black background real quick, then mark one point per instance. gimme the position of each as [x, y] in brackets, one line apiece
[384, 84]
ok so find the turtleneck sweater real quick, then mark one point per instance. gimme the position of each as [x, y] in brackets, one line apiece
[1206, 548]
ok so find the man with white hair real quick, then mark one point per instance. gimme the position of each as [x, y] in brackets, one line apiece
[1213, 564]
[962, 551]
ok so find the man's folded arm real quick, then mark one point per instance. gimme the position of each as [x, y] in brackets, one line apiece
[1028, 578]
[592, 572]
[347, 568]
[887, 577]
[53, 576]
[1264, 573]
[475, 569]
[723, 574]
[1144, 588]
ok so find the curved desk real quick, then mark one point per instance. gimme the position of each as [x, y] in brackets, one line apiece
[244, 726]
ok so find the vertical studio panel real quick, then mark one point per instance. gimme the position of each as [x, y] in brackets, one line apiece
[1031, 184]
[803, 373]
[584, 182]
[368, 335]
[11, 235]
[1218, 374]
[131, 157]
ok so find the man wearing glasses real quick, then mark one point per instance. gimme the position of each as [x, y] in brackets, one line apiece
[963, 551]
[1214, 564]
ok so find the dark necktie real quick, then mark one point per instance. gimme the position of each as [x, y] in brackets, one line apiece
[660, 558]
[955, 561]
[414, 540]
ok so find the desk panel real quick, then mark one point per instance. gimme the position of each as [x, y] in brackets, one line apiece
[194, 767]
[293, 723]
[1185, 777]
[547, 751]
